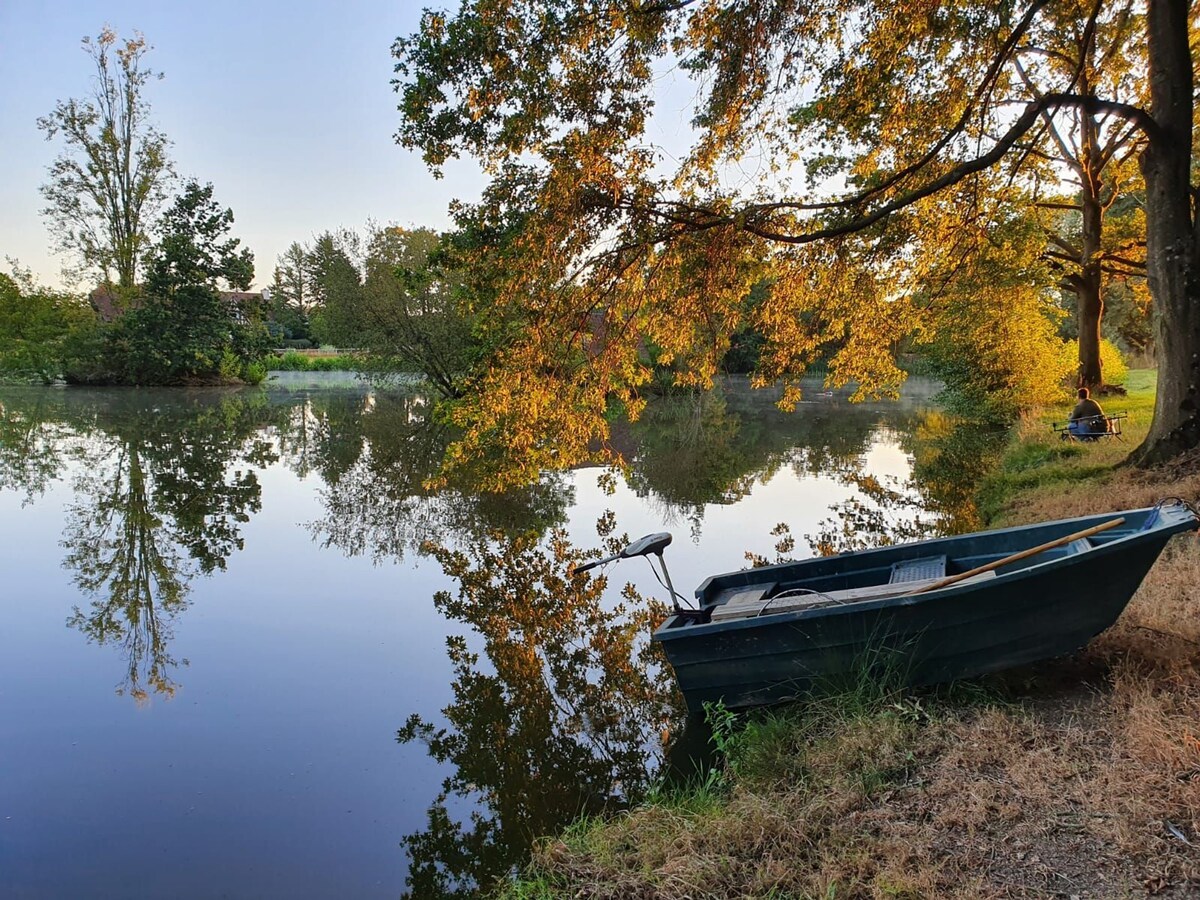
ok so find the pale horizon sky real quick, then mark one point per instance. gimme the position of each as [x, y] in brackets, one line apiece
[287, 108]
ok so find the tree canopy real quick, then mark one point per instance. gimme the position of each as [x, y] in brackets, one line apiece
[830, 142]
[188, 322]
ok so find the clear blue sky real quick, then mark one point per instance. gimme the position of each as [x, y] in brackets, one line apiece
[285, 107]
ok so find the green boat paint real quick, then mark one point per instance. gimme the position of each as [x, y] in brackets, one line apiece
[1036, 608]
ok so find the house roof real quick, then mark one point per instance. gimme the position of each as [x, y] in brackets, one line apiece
[108, 305]
[105, 303]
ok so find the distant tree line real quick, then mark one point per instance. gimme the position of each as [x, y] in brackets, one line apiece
[396, 295]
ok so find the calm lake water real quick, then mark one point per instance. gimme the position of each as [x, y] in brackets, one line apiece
[231, 667]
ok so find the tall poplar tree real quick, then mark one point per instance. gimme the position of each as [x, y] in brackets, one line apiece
[104, 188]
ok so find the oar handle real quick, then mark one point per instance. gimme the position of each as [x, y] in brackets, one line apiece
[1024, 554]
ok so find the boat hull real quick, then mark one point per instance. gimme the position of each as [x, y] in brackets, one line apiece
[1029, 614]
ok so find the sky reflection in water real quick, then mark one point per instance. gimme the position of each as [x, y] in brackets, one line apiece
[266, 685]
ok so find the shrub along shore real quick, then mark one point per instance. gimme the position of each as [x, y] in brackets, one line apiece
[291, 361]
[1075, 778]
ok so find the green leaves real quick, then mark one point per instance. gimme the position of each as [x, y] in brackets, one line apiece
[195, 248]
[35, 326]
[106, 185]
[183, 327]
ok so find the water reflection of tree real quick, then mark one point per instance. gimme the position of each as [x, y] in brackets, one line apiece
[384, 499]
[323, 432]
[561, 715]
[31, 442]
[950, 457]
[690, 450]
[138, 581]
[161, 492]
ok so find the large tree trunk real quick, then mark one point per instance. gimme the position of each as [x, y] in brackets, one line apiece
[1090, 305]
[1172, 263]
[1089, 301]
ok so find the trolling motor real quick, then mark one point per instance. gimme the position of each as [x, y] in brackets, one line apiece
[643, 546]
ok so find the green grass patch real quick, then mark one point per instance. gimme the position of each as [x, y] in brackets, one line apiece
[1038, 460]
[1025, 457]
[299, 362]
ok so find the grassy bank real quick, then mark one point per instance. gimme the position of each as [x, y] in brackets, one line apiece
[1039, 467]
[300, 362]
[1075, 778]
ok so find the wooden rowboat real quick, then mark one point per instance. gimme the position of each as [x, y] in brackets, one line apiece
[925, 612]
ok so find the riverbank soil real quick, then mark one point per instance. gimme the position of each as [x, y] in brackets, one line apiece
[1078, 778]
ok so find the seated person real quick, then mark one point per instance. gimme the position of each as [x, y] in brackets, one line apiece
[1087, 418]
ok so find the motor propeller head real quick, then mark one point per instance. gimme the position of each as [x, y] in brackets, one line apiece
[651, 543]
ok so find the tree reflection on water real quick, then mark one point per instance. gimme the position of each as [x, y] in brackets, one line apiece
[949, 461]
[384, 498]
[693, 449]
[560, 701]
[560, 714]
[160, 495]
[31, 442]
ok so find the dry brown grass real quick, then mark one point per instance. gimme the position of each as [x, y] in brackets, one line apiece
[1072, 794]
[1084, 783]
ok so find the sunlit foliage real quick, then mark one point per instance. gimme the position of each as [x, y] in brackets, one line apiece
[993, 324]
[816, 127]
[1115, 370]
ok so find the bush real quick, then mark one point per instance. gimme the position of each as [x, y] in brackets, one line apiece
[229, 367]
[85, 356]
[254, 373]
[296, 362]
[995, 367]
[1112, 363]
[289, 362]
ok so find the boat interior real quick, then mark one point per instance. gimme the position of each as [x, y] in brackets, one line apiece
[882, 574]
[859, 585]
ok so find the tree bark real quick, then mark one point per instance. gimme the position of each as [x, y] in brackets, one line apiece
[1089, 293]
[1089, 298]
[1171, 237]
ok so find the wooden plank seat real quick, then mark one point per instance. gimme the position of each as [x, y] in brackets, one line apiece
[753, 601]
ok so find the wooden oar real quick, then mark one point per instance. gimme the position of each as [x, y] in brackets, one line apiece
[1024, 554]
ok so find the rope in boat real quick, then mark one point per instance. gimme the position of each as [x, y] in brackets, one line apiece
[797, 592]
[1178, 501]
